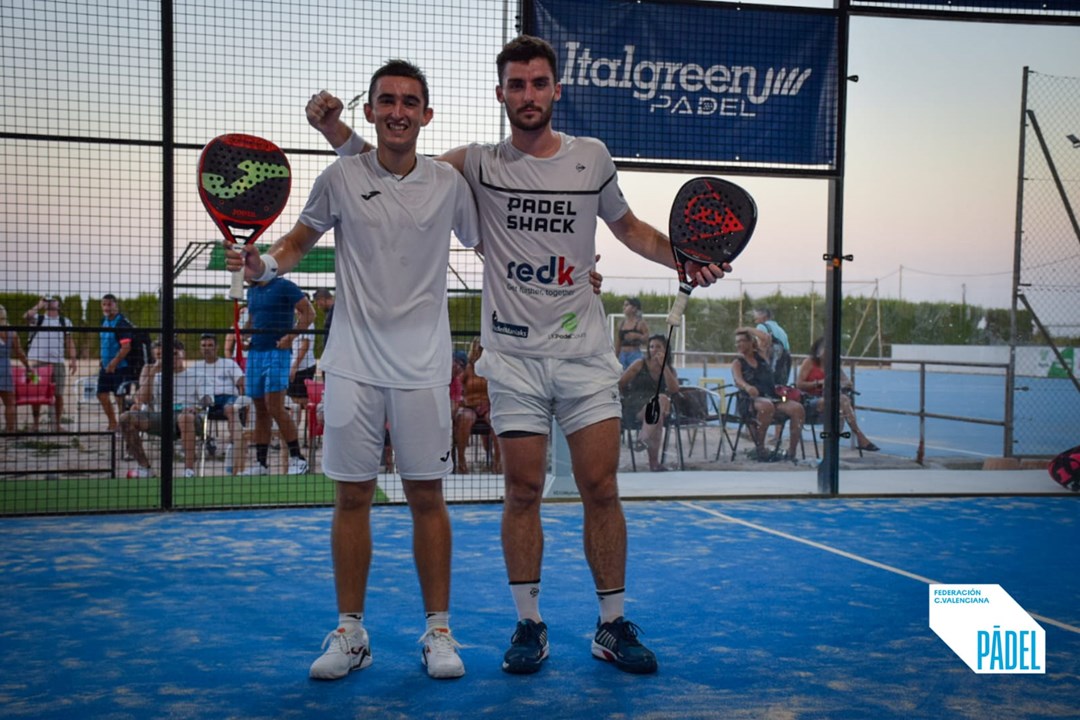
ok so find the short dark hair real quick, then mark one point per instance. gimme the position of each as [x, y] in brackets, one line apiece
[208, 336]
[634, 301]
[321, 293]
[109, 296]
[524, 48]
[400, 68]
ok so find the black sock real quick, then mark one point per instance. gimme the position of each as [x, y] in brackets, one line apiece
[294, 449]
[261, 452]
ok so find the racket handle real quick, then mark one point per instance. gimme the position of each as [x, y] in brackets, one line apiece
[675, 316]
[236, 290]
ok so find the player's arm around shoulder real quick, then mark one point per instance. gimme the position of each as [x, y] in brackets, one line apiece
[466, 217]
[455, 158]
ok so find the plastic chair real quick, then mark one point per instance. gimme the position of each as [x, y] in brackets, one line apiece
[632, 425]
[695, 408]
[40, 391]
[314, 397]
[779, 420]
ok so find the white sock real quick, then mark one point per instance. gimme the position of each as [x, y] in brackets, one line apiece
[438, 620]
[350, 621]
[611, 603]
[527, 600]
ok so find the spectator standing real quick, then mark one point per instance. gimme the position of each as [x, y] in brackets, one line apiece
[301, 369]
[116, 338]
[324, 300]
[50, 344]
[10, 348]
[633, 331]
[280, 309]
[778, 350]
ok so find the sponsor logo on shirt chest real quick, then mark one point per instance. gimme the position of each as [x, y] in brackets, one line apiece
[533, 215]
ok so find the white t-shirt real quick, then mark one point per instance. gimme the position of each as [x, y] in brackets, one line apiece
[48, 346]
[219, 377]
[308, 360]
[392, 248]
[187, 388]
[538, 221]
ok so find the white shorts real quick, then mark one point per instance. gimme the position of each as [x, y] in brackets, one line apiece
[527, 392]
[355, 417]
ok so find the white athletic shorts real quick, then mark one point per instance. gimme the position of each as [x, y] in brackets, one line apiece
[355, 416]
[526, 392]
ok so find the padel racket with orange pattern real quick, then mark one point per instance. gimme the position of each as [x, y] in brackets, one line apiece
[711, 221]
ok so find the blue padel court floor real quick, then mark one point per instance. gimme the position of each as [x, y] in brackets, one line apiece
[814, 608]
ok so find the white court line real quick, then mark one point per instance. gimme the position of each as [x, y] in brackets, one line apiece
[856, 558]
[931, 446]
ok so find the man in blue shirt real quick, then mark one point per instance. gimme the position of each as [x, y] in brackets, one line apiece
[272, 307]
[115, 345]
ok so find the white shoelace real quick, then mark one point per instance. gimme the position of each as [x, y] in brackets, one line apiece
[343, 640]
[441, 640]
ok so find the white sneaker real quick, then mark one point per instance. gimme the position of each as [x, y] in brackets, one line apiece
[345, 652]
[140, 472]
[189, 472]
[297, 466]
[256, 469]
[440, 654]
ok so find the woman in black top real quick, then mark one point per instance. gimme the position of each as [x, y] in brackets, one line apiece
[637, 386]
[758, 403]
[632, 332]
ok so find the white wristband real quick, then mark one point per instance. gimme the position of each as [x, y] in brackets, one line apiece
[271, 270]
[353, 146]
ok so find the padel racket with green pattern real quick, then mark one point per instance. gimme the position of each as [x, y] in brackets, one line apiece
[244, 184]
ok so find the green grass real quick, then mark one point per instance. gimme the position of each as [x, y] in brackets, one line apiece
[72, 495]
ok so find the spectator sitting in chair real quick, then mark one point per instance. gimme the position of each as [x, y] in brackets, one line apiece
[811, 381]
[223, 380]
[758, 402]
[638, 385]
[187, 401]
[474, 406]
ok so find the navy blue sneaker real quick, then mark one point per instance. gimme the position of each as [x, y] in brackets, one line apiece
[617, 643]
[528, 648]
